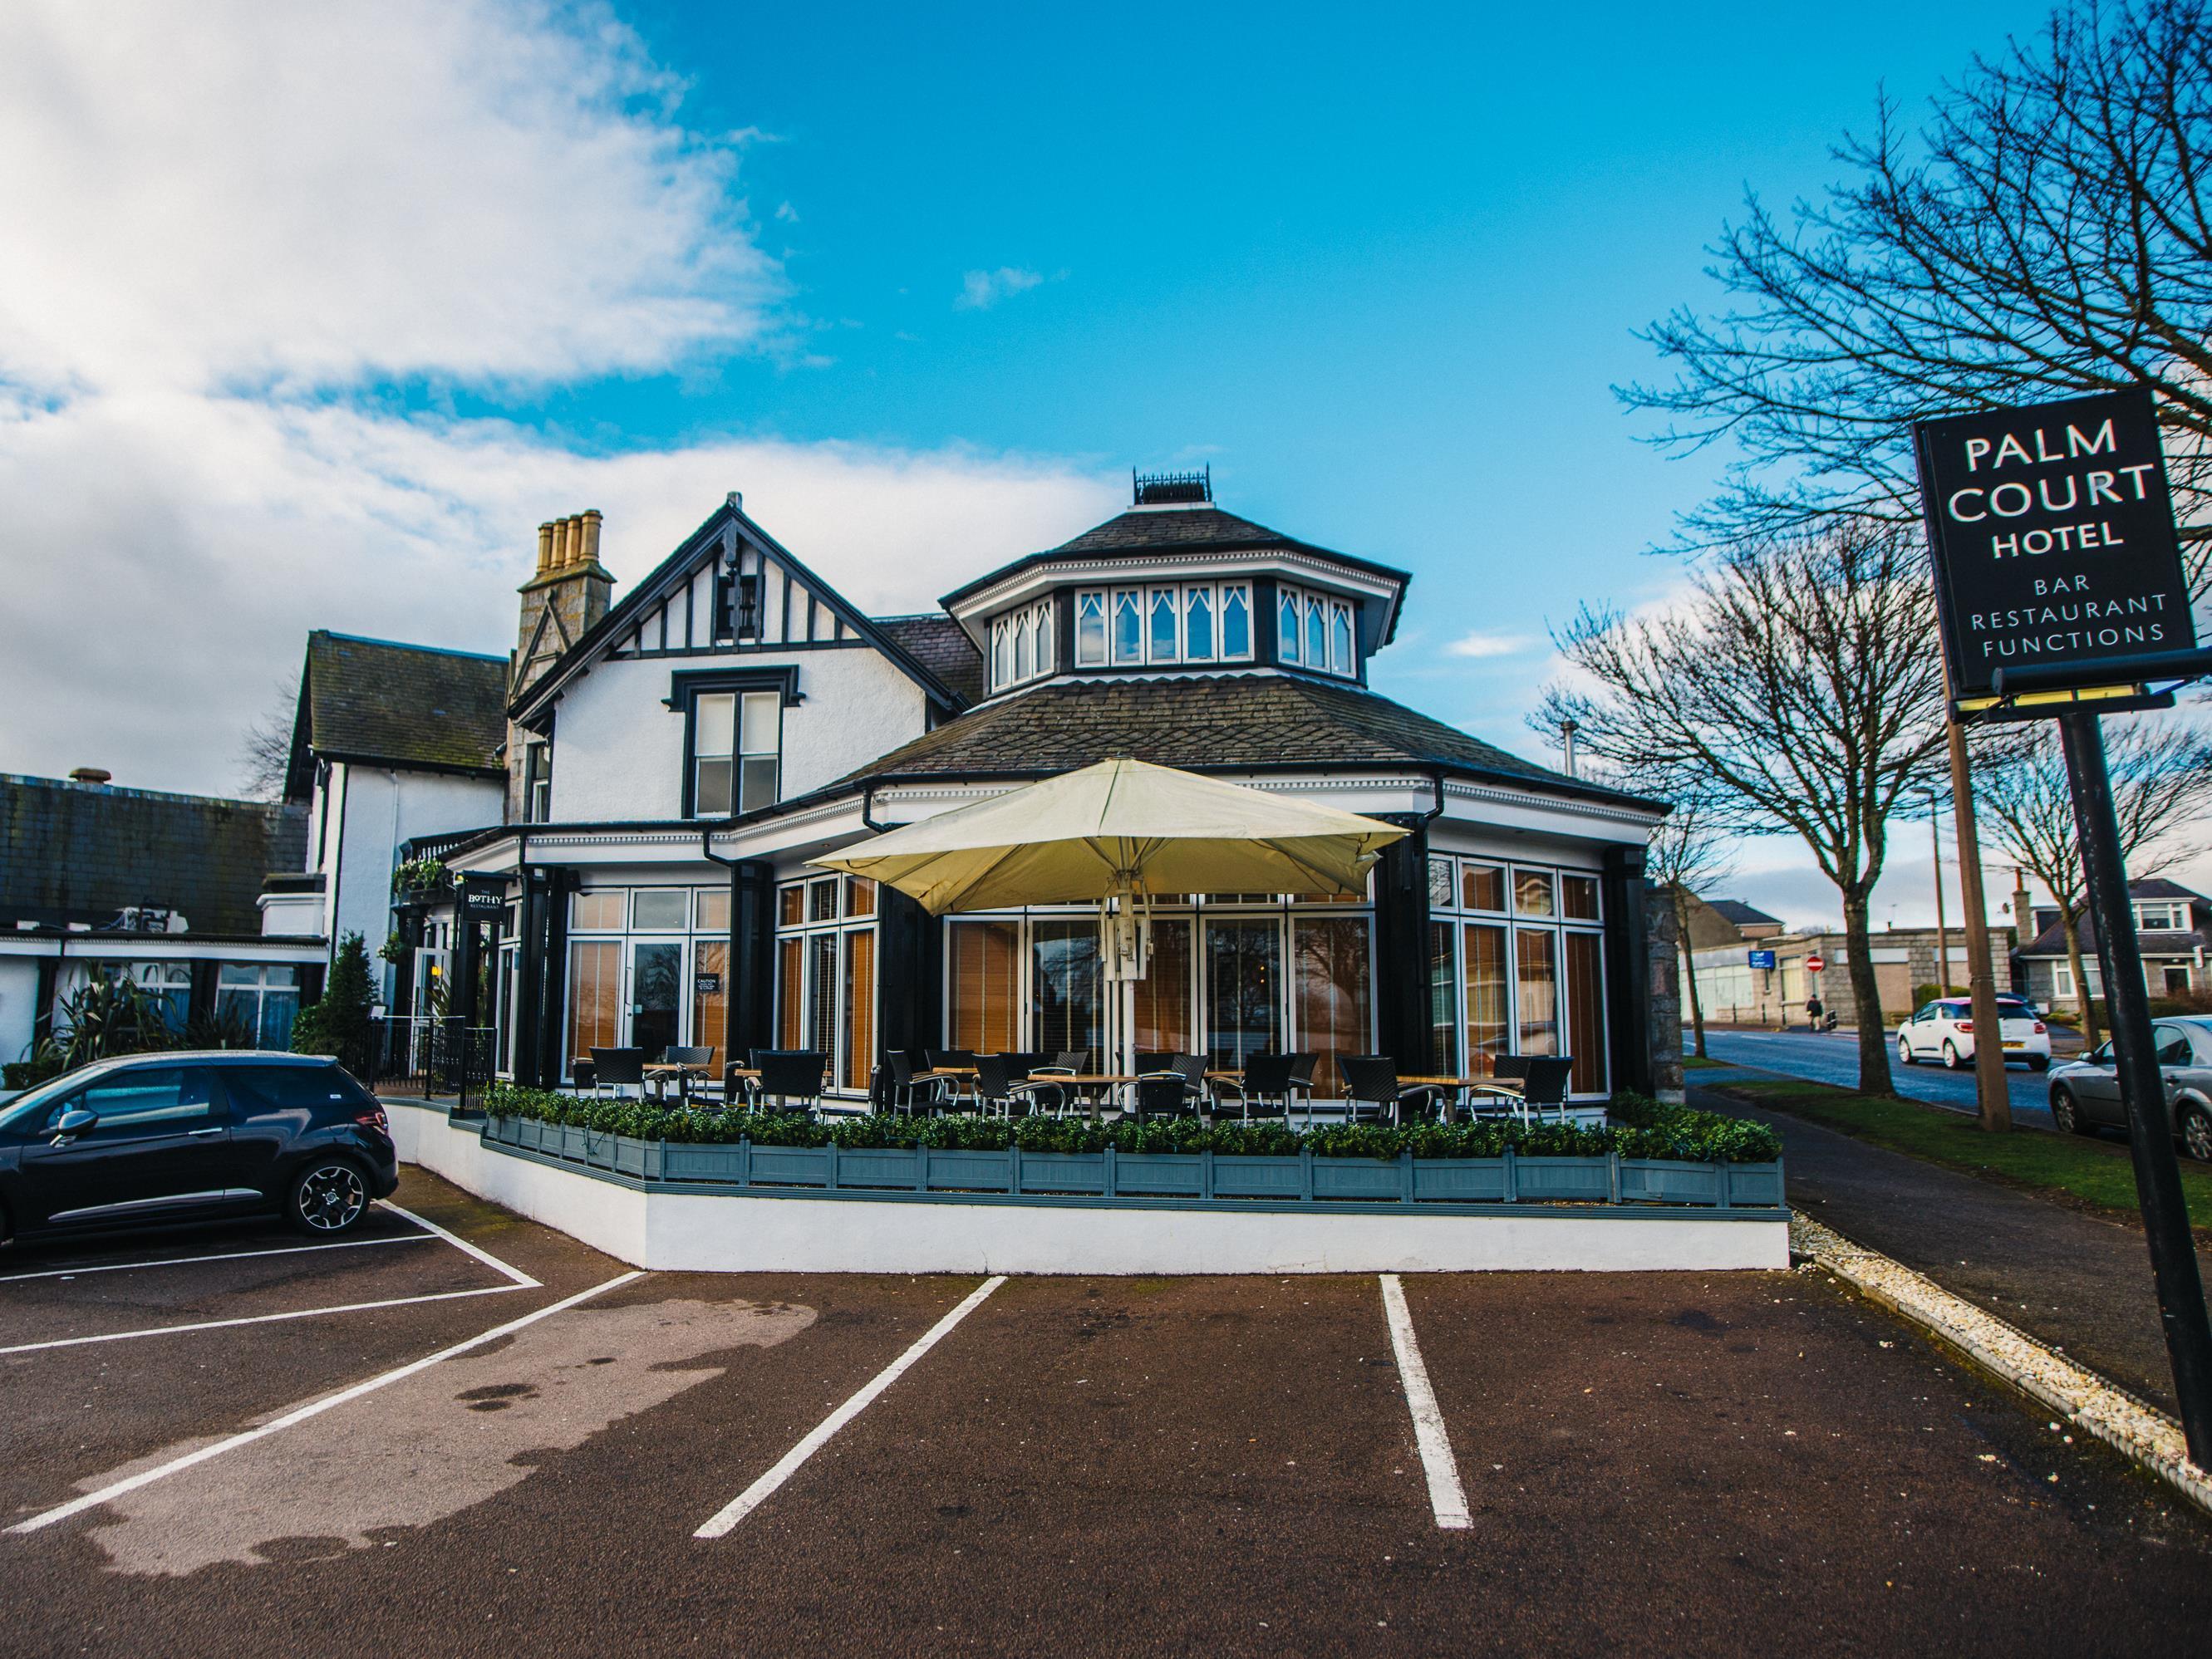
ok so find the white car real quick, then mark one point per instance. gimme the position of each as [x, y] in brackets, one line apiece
[1944, 1030]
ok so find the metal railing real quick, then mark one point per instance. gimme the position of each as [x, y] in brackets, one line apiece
[427, 1055]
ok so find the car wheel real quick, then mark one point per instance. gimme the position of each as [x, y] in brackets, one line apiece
[328, 1197]
[2039, 1062]
[1951, 1054]
[2197, 1133]
[1905, 1053]
[2065, 1114]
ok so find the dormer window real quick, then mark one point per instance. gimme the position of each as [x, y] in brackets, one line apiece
[2161, 917]
[1146, 627]
[1317, 630]
[1022, 646]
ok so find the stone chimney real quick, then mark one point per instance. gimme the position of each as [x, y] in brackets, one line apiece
[565, 599]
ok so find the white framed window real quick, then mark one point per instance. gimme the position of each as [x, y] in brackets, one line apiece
[1317, 630]
[1090, 629]
[736, 739]
[1022, 646]
[1138, 627]
[2161, 915]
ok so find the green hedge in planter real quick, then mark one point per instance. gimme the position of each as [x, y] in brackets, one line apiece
[1641, 1129]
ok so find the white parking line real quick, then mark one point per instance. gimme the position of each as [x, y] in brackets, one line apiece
[315, 1408]
[228, 1255]
[518, 1280]
[788, 1465]
[263, 1319]
[1445, 1495]
[463, 1245]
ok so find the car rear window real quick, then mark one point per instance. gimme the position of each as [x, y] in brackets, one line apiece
[291, 1088]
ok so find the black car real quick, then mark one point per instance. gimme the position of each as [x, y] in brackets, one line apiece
[158, 1139]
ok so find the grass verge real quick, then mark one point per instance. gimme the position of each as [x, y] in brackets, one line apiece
[2098, 1173]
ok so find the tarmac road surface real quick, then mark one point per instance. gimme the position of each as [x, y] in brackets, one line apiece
[1833, 1057]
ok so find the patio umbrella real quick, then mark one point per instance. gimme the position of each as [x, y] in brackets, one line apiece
[1119, 832]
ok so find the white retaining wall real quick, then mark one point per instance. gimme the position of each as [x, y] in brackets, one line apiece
[734, 1233]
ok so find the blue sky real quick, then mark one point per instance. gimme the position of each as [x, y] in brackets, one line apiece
[925, 283]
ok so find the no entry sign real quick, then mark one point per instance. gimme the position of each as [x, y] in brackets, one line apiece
[1813, 964]
[2052, 535]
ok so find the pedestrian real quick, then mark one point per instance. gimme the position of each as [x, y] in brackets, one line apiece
[1813, 1012]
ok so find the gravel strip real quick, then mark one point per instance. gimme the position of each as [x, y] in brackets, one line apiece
[2084, 1399]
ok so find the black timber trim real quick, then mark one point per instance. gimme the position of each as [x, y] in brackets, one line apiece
[1627, 970]
[705, 543]
[386, 763]
[1400, 950]
[684, 690]
[1172, 550]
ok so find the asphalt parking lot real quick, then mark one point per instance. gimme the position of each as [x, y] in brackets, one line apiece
[467, 1434]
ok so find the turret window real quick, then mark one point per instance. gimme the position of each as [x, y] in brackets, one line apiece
[1198, 624]
[1162, 646]
[1090, 630]
[1129, 628]
[1139, 627]
[1022, 646]
[1317, 630]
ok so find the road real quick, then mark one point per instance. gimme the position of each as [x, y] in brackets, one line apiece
[1833, 1057]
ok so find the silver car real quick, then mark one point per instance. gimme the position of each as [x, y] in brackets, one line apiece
[2085, 1093]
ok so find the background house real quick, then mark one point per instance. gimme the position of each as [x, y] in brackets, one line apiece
[389, 742]
[162, 887]
[2173, 926]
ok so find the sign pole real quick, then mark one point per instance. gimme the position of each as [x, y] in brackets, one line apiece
[1992, 1089]
[2143, 1089]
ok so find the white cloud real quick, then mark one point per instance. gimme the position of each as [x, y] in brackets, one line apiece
[232, 193]
[1479, 644]
[229, 225]
[981, 289]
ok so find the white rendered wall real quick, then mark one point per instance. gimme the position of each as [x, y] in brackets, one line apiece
[618, 751]
[378, 810]
[19, 999]
[727, 1233]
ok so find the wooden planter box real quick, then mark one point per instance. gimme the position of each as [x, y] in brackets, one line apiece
[1204, 1176]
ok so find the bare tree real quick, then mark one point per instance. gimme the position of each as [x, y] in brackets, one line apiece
[2046, 233]
[264, 753]
[1687, 855]
[2161, 789]
[1800, 682]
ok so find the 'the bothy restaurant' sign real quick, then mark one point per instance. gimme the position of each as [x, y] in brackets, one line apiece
[2053, 539]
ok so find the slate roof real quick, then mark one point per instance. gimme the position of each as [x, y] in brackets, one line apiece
[941, 645]
[78, 851]
[403, 705]
[1736, 911]
[2051, 941]
[1169, 530]
[1212, 722]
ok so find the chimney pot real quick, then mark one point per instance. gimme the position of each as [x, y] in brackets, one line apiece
[545, 547]
[588, 548]
[95, 774]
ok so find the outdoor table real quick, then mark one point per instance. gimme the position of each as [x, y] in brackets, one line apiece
[660, 1070]
[1092, 1081]
[1503, 1087]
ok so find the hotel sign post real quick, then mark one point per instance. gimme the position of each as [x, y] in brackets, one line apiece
[2060, 592]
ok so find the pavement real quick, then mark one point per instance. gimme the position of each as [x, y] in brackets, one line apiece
[488, 1440]
[1833, 1057]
